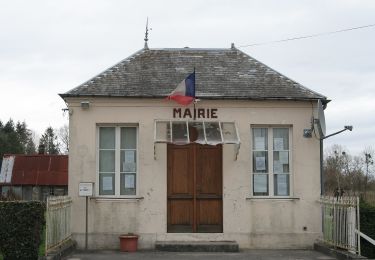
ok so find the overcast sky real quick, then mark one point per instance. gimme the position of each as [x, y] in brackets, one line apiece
[50, 47]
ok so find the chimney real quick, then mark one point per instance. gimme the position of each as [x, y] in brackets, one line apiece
[41, 149]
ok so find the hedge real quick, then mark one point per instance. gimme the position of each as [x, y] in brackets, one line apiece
[367, 216]
[21, 225]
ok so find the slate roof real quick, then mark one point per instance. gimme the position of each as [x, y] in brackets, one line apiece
[220, 74]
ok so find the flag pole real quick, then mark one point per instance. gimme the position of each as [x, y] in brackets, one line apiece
[194, 95]
[194, 110]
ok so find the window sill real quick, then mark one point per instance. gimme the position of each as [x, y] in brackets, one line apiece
[117, 199]
[272, 198]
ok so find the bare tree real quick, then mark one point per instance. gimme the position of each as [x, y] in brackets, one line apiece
[343, 172]
[356, 175]
[350, 175]
[334, 168]
[63, 135]
[368, 166]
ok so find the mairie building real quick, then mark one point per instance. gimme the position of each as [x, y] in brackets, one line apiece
[234, 165]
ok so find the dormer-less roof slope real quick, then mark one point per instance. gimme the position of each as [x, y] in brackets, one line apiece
[38, 169]
[220, 74]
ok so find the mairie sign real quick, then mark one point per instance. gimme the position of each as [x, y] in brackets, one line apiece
[195, 113]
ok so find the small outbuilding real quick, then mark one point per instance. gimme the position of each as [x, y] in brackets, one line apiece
[234, 164]
[33, 177]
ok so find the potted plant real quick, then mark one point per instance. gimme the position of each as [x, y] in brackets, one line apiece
[128, 242]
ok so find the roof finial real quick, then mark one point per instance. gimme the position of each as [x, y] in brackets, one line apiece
[146, 36]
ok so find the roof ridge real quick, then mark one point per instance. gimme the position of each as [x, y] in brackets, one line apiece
[192, 49]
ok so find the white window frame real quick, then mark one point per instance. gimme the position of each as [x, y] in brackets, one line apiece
[271, 174]
[117, 160]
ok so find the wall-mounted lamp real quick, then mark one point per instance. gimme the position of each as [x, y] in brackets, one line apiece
[85, 104]
[347, 127]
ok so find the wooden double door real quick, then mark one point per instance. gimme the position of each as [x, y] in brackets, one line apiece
[195, 188]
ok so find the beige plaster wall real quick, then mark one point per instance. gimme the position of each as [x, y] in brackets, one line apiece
[253, 223]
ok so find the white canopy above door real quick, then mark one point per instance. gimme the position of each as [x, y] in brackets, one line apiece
[180, 132]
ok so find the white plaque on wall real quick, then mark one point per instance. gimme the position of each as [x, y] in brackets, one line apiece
[86, 189]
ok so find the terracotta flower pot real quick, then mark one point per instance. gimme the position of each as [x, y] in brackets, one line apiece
[128, 243]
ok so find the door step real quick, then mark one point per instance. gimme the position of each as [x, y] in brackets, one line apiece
[197, 246]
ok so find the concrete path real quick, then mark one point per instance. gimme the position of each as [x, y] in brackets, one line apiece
[248, 255]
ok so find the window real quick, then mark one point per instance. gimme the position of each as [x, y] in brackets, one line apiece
[117, 160]
[210, 132]
[271, 169]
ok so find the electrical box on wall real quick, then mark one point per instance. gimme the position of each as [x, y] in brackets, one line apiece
[307, 133]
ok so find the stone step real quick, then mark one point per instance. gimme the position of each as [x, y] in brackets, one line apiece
[197, 246]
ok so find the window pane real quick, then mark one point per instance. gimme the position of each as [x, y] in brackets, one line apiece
[128, 184]
[260, 162]
[17, 191]
[280, 139]
[260, 139]
[128, 161]
[107, 138]
[163, 131]
[229, 132]
[281, 162]
[4, 191]
[179, 132]
[196, 132]
[128, 138]
[106, 184]
[107, 161]
[213, 135]
[281, 182]
[27, 193]
[260, 184]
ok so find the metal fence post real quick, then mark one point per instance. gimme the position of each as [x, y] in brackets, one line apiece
[45, 231]
[358, 228]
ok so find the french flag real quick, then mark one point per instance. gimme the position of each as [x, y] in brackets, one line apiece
[184, 94]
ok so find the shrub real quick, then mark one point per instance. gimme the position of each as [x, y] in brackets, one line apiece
[21, 225]
[367, 216]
